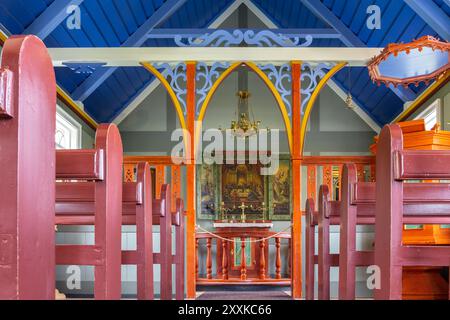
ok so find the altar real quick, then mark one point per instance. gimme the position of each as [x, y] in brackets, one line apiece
[242, 253]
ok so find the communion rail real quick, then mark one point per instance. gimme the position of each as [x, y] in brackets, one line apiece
[232, 246]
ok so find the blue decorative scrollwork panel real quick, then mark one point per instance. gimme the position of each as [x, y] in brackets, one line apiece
[176, 76]
[310, 78]
[257, 38]
[281, 77]
[205, 77]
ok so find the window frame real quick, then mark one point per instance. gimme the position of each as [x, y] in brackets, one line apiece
[71, 125]
[435, 106]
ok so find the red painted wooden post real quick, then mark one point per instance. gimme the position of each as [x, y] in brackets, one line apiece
[144, 235]
[27, 164]
[310, 252]
[208, 259]
[289, 257]
[389, 211]
[347, 243]
[224, 260]
[179, 255]
[324, 244]
[219, 257]
[108, 217]
[166, 243]
[278, 259]
[243, 260]
[196, 258]
[262, 260]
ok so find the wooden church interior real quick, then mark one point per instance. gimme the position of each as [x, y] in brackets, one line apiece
[95, 96]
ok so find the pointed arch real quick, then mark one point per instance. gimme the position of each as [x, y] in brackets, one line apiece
[174, 99]
[252, 66]
[313, 99]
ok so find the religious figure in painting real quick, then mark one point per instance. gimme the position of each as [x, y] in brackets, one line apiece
[281, 192]
[208, 190]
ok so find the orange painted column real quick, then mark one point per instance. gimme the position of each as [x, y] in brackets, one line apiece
[190, 183]
[296, 158]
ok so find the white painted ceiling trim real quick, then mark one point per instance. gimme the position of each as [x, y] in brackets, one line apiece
[131, 57]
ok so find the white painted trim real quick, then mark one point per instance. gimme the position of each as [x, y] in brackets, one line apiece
[358, 109]
[131, 57]
[436, 106]
[132, 105]
[71, 124]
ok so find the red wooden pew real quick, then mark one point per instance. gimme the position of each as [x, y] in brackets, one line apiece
[423, 202]
[395, 166]
[328, 214]
[75, 206]
[102, 167]
[27, 158]
[178, 258]
[165, 257]
[358, 207]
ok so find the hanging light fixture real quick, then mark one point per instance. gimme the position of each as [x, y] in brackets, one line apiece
[243, 126]
[349, 99]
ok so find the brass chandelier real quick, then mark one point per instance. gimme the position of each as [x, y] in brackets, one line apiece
[244, 126]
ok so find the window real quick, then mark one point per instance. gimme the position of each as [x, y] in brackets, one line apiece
[431, 115]
[68, 131]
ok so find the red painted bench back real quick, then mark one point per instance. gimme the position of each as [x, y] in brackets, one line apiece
[103, 165]
[27, 165]
[423, 201]
[394, 166]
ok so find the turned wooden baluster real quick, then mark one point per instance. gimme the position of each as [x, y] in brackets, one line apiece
[208, 259]
[196, 258]
[224, 260]
[289, 258]
[243, 261]
[278, 259]
[262, 260]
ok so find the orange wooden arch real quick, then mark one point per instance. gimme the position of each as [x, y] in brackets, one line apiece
[252, 66]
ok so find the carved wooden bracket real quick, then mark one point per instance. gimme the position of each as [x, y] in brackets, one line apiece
[6, 93]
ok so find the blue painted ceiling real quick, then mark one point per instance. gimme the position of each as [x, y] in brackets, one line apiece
[109, 23]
